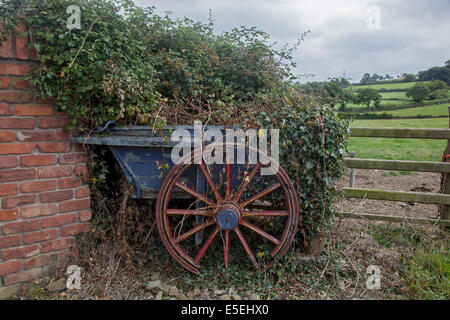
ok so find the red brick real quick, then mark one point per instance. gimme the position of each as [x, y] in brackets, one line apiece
[17, 148]
[15, 97]
[53, 172]
[14, 69]
[85, 215]
[20, 83]
[18, 253]
[80, 148]
[74, 205]
[39, 185]
[63, 135]
[54, 147]
[73, 158]
[59, 220]
[17, 175]
[4, 82]
[83, 192]
[35, 135]
[75, 229]
[38, 236]
[33, 110]
[9, 189]
[10, 267]
[9, 215]
[38, 210]
[8, 162]
[12, 202]
[72, 182]
[5, 110]
[56, 196]
[21, 44]
[10, 241]
[37, 261]
[6, 48]
[81, 170]
[48, 100]
[21, 226]
[56, 245]
[64, 255]
[17, 123]
[38, 160]
[46, 123]
[7, 136]
[22, 276]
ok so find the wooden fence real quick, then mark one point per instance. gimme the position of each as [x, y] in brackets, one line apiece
[441, 199]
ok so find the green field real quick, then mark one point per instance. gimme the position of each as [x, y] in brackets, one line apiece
[431, 111]
[399, 149]
[354, 107]
[389, 86]
[395, 95]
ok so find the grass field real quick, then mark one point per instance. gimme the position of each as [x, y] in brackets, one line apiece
[399, 149]
[404, 85]
[355, 107]
[433, 111]
[395, 95]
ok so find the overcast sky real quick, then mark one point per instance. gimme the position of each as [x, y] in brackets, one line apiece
[410, 36]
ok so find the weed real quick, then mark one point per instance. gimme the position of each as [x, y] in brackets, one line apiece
[398, 173]
[427, 274]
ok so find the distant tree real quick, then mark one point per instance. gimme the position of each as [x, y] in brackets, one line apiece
[366, 78]
[438, 90]
[418, 92]
[436, 85]
[438, 94]
[409, 77]
[375, 77]
[331, 92]
[436, 73]
[447, 63]
[388, 76]
[366, 96]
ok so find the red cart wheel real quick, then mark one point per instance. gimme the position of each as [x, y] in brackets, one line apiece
[224, 210]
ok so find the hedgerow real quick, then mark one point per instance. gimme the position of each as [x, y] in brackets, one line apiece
[133, 66]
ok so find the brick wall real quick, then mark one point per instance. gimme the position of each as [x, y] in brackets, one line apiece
[43, 199]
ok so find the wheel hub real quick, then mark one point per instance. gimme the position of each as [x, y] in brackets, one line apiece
[228, 216]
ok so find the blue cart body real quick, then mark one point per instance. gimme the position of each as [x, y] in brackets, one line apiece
[145, 157]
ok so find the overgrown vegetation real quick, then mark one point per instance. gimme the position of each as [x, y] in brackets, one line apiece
[133, 66]
[427, 273]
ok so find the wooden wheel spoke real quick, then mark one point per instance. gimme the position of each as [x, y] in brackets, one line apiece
[210, 182]
[185, 212]
[194, 193]
[228, 182]
[246, 247]
[281, 213]
[246, 181]
[261, 194]
[226, 249]
[206, 245]
[260, 231]
[193, 231]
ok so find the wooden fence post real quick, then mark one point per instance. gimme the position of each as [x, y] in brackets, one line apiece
[352, 171]
[445, 183]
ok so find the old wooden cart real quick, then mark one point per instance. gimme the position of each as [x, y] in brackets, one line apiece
[227, 202]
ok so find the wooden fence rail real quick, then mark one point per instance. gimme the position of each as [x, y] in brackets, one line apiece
[441, 199]
[397, 165]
